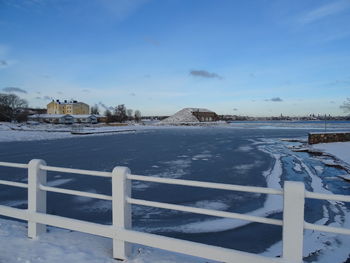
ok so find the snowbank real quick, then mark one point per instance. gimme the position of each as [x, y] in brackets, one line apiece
[10, 132]
[341, 150]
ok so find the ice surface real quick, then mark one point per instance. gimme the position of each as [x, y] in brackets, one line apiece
[100, 206]
[273, 204]
[319, 169]
[14, 203]
[328, 247]
[341, 150]
[316, 182]
[245, 148]
[202, 156]
[211, 204]
[297, 167]
[58, 182]
[175, 168]
[320, 246]
[345, 177]
[243, 168]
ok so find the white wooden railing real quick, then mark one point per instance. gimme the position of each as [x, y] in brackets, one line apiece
[121, 230]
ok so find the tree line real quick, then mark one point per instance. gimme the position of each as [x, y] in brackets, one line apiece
[118, 114]
[13, 108]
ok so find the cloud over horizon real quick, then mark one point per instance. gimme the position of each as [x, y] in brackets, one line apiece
[14, 89]
[346, 105]
[204, 74]
[43, 98]
[3, 63]
[275, 99]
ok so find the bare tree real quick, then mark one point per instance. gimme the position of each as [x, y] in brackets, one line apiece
[11, 107]
[109, 116]
[120, 113]
[346, 105]
[137, 115]
[129, 113]
[94, 109]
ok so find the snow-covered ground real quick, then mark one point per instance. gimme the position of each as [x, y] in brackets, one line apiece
[10, 132]
[59, 245]
[341, 150]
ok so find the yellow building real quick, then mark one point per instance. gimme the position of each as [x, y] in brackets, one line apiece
[65, 107]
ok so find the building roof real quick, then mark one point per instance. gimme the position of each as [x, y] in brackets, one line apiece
[75, 116]
[82, 116]
[48, 115]
[66, 102]
[198, 110]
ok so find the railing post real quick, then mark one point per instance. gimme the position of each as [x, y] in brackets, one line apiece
[293, 221]
[121, 189]
[36, 197]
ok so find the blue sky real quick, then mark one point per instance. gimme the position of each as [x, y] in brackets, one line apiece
[266, 57]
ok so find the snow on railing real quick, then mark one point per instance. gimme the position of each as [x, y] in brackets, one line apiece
[123, 235]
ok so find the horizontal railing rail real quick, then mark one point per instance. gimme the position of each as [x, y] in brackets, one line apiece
[329, 229]
[75, 171]
[74, 192]
[204, 211]
[15, 165]
[328, 197]
[293, 224]
[16, 184]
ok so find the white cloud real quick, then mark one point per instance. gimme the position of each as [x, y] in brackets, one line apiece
[324, 11]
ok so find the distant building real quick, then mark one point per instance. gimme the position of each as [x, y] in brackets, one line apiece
[204, 115]
[85, 118]
[64, 118]
[52, 118]
[68, 107]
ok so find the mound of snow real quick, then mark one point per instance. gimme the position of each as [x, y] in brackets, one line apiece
[183, 116]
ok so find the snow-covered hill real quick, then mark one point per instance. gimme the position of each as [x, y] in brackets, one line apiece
[183, 116]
